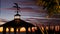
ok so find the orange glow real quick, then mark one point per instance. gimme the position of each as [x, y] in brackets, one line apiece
[33, 29]
[42, 28]
[59, 6]
[56, 28]
[17, 30]
[52, 27]
[29, 29]
[1, 29]
[12, 30]
[47, 27]
[7, 29]
[22, 29]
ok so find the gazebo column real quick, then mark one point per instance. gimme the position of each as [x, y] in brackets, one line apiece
[36, 31]
[4, 30]
[31, 30]
[18, 30]
[9, 30]
[26, 30]
[14, 30]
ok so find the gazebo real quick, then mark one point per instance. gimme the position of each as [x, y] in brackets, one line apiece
[17, 24]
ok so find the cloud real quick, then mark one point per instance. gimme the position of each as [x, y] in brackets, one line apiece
[2, 21]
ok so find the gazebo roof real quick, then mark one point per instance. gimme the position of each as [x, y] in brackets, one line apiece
[20, 24]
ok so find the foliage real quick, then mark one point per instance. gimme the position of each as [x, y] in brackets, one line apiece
[53, 6]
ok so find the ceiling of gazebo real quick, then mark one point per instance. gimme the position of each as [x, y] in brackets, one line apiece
[30, 12]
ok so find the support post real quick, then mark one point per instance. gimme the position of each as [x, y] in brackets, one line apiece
[4, 30]
[26, 30]
[9, 30]
[14, 30]
[31, 30]
[18, 30]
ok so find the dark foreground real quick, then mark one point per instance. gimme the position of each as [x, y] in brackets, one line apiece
[35, 33]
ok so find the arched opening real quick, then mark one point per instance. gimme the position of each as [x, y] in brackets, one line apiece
[1, 29]
[22, 29]
[12, 29]
[29, 29]
[7, 29]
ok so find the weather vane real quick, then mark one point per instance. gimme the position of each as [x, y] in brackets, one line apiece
[17, 7]
[17, 16]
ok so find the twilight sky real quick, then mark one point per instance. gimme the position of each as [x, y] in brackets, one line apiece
[29, 12]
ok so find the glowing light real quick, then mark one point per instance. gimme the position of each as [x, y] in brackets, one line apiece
[51, 27]
[22, 29]
[29, 29]
[42, 28]
[12, 30]
[7, 29]
[17, 17]
[17, 30]
[56, 28]
[1, 29]
[33, 29]
[47, 27]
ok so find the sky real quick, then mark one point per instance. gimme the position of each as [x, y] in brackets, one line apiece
[8, 14]
[29, 12]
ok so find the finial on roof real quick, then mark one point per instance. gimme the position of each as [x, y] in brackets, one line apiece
[17, 16]
[17, 7]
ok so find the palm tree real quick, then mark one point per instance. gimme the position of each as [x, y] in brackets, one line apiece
[52, 6]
